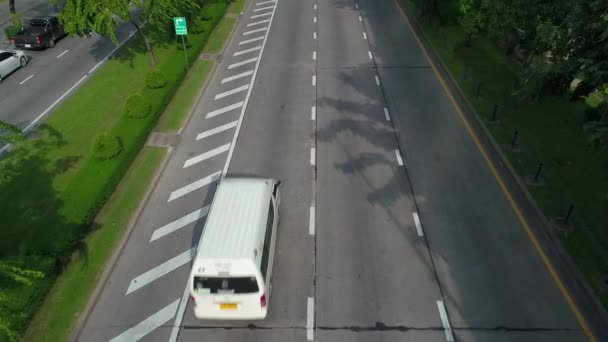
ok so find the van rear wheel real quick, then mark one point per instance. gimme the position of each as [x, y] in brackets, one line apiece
[51, 43]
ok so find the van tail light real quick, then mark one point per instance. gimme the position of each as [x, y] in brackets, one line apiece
[263, 301]
[192, 299]
[37, 40]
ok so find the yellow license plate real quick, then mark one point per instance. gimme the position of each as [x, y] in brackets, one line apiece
[228, 306]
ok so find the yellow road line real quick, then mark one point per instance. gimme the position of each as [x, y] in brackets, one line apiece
[575, 310]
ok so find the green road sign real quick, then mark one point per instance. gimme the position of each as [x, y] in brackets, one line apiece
[180, 26]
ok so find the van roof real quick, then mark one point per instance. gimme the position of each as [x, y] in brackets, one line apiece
[238, 215]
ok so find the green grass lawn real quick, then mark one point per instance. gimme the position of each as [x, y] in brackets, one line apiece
[49, 207]
[73, 287]
[216, 41]
[550, 132]
[180, 106]
[237, 6]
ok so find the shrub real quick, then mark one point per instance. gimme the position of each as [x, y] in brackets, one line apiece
[106, 146]
[137, 107]
[198, 26]
[11, 31]
[155, 79]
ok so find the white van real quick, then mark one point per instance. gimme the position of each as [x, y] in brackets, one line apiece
[230, 278]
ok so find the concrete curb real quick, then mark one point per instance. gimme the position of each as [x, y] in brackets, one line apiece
[585, 298]
[109, 267]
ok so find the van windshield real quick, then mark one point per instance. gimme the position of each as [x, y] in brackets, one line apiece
[226, 285]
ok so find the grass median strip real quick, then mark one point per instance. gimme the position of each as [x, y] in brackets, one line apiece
[180, 106]
[182, 103]
[74, 286]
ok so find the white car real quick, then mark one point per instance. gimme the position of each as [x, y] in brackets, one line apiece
[11, 60]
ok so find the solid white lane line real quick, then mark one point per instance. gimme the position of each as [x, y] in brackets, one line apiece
[261, 15]
[182, 308]
[310, 318]
[231, 92]
[399, 160]
[314, 55]
[26, 79]
[377, 80]
[194, 186]
[148, 325]
[314, 35]
[224, 110]
[160, 270]
[265, 2]
[236, 77]
[315, 19]
[263, 8]
[179, 223]
[418, 224]
[258, 23]
[242, 52]
[314, 80]
[312, 156]
[388, 118]
[63, 53]
[247, 41]
[247, 61]
[311, 221]
[313, 113]
[209, 154]
[364, 36]
[444, 320]
[369, 53]
[216, 130]
[255, 31]
[360, 18]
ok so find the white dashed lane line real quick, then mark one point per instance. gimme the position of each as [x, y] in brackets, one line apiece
[261, 15]
[216, 130]
[242, 52]
[444, 320]
[26, 79]
[237, 76]
[399, 160]
[160, 270]
[149, 324]
[209, 154]
[63, 53]
[224, 110]
[179, 223]
[364, 36]
[231, 92]
[263, 9]
[247, 61]
[377, 80]
[418, 224]
[256, 23]
[313, 113]
[194, 186]
[386, 116]
[247, 41]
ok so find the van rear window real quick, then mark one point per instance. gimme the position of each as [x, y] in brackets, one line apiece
[226, 285]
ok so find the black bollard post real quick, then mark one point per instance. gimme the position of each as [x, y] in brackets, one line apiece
[540, 167]
[514, 140]
[494, 112]
[568, 215]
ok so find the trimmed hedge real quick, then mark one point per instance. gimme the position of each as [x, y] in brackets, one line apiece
[101, 178]
[137, 107]
[155, 79]
[106, 146]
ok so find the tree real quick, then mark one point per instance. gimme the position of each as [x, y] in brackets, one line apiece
[100, 16]
[9, 133]
[472, 19]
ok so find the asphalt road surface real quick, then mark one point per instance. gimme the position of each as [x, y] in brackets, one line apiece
[31, 93]
[392, 226]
